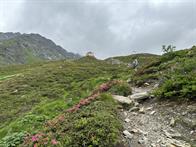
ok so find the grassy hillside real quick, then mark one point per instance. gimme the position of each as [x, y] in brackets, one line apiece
[32, 94]
[35, 98]
[175, 72]
[142, 58]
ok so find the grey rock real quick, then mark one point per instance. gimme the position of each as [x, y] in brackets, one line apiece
[135, 130]
[139, 96]
[152, 113]
[122, 99]
[136, 104]
[127, 120]
[134, 109]
[149, 108]
[143, 140]
[125, 113]
[172, 134]
[141, 110]
[178, 143]
[146, 84]
[172, 122]
[127, 134]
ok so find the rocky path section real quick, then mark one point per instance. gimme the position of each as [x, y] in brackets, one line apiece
[147, 125]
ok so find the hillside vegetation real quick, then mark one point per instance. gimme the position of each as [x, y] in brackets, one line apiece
[175, 72]
[142, 58]
[59, 103]
[32, 94]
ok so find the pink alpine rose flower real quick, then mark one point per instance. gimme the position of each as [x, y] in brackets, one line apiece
[54, 142]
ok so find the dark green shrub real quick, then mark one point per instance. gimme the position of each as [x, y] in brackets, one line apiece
[182, 87]
[121, 89]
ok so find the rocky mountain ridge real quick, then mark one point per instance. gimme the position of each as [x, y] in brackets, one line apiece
[17, 48]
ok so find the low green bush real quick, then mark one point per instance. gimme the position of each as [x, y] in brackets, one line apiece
[12, 140]
[178, 87]
[121, 89]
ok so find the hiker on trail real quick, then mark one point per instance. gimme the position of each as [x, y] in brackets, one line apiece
[135, 63]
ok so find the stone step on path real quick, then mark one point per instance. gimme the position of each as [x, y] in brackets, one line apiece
[122, 99]
[139, 96]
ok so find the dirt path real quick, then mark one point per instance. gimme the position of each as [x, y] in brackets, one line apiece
[151, 123]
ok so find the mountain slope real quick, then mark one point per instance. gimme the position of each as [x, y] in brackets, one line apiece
[35, 108]
[33, 99]
[142, 58]
[175, 73]
[16, 48]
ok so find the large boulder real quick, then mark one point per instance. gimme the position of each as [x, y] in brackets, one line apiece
[139, 96]
[122, 99]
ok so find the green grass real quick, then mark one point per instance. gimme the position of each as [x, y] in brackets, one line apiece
[175, 70]
[30, 58]
[6, 77]
[96, 124]
[142, 58]
[41, 91]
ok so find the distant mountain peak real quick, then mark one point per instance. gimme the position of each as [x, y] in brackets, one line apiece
[17, 48]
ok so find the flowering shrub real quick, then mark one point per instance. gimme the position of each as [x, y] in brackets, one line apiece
[54, 125]
[96, 124]
[40, 139]
[102, 88]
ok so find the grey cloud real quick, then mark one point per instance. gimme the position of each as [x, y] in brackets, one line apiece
[109, 28]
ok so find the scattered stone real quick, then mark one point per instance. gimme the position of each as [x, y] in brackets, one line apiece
[136, 104]
[125, 113]
[146, 84]
[178, 143]
[140, 96]
[122, 99]
[142, 110]
[159, 140]
[149, 108]
[171, 145]
[134, 109]
[184, 113]
[172, 122]
[152, 113]
[121, 110]
[191, 132]
[156, 85]
[153, 145]
[172, 135]
[143, 140]
[134, 113]
[128, 134]
[134, 131]
[152, 96]
[142, 132]
[127, 120]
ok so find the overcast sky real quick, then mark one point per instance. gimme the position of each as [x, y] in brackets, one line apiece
[106, 27]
